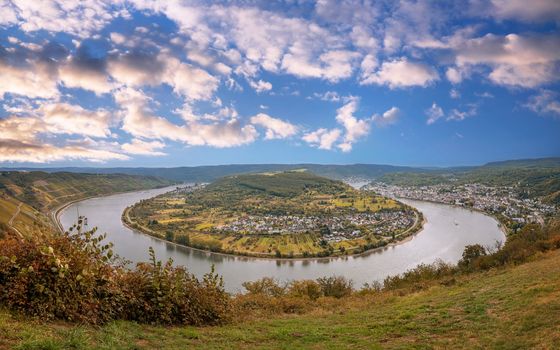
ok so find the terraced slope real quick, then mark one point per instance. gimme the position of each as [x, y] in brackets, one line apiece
[26, 197]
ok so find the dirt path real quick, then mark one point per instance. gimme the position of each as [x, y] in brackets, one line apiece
[11, 222]
[15, 214]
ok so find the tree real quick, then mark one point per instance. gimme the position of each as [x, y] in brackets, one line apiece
[169, 235]
[470, 254]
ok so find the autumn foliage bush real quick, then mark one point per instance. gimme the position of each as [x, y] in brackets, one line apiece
[74, 276]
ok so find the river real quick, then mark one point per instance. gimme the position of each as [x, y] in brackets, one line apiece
[446, 232]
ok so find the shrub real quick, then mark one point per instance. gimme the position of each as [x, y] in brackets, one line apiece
[520, 246]
[470, 255]
[66, 276]
[305, 289]
[73, 276]
[162, 293]
[265, 286]
[335, 286]
[420, 276]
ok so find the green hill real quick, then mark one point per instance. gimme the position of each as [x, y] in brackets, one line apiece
[282, 184]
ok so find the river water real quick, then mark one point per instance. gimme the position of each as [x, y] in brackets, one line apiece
[445, 234]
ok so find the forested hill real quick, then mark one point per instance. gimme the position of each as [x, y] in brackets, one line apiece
[332, 171]
[283, 184]
[211, 173]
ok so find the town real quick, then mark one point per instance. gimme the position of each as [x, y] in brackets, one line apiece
[503, 202]
[332, 228]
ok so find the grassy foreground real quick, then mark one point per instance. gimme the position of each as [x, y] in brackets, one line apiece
[510, 308]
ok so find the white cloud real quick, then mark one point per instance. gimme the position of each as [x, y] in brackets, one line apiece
[64, 118]
[75, 75]
[346, 12]
[515, 60]
[433, 113]
[545, 102]
[117, 38]
[33, 80]
[81, 18]
[454, 75]
[275, 128]
[254, 39]
[26, 138]
[331, 96]
[458, 115]
[18, 151]
[391, 116]
[151, 148]
[139, 121]
[260, 85]
[137, 69]
[354, 128]
[322, 138]
[536, 11]
[56, 118]
[401, 73]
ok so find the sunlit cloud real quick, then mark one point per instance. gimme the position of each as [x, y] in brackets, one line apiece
[78, 82]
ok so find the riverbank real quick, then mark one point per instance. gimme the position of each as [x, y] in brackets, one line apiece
[54, 214]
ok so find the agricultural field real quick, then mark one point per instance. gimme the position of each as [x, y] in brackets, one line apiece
[287, 214]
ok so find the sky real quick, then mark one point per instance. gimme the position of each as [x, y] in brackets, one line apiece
[184, 83]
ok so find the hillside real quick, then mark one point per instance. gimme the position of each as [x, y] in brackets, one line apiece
[510, 308]
[211, 173]
[26, 197]
[286, 184]
[281, 214]
[532, 178]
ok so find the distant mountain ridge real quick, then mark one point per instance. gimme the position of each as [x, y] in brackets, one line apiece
[207, 173]
[551, 162]
[213, 172]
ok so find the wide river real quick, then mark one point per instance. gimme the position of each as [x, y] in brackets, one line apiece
[447, 231]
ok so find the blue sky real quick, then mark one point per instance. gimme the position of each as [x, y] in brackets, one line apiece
[174, 83]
